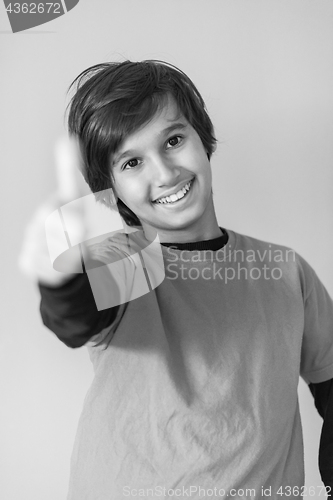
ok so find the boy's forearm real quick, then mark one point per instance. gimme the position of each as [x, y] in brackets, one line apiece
[323, 395]
[70, 311]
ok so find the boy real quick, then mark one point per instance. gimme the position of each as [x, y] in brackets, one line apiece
[195, 389]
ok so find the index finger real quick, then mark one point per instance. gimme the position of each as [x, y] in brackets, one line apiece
[69, 168]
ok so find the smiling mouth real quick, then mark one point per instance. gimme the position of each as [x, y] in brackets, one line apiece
[173, 198]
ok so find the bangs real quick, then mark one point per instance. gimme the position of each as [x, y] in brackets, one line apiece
[126, 118]
[112, 123]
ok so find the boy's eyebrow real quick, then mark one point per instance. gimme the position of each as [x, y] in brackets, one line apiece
[174, 126]
[129, 152]
[167, 130]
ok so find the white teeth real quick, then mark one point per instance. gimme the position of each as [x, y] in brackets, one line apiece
[176, 196]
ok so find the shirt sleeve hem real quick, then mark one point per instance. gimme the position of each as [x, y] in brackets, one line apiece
[318, 376]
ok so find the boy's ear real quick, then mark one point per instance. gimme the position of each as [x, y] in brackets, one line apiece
[213, 151]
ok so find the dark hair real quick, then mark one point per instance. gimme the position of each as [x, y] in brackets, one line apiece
[114, 99]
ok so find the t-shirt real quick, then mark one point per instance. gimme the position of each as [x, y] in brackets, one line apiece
[195, 390]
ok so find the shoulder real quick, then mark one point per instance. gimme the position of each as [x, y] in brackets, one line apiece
[263, 251]
[242, 241]
[291, 263]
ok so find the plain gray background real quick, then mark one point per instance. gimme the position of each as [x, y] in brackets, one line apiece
[265, 70]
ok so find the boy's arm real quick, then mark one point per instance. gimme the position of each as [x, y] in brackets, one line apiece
[323, 395]
[317, 360]
[70, 311]
[68, 307]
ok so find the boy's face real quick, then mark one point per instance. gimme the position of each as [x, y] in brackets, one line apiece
[162, 173]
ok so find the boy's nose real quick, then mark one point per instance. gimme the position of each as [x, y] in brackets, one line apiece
[164, 172]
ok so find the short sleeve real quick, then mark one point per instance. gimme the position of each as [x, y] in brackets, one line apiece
[317, 344]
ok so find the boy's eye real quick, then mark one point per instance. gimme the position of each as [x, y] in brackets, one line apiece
[174, 141]
[131, 163]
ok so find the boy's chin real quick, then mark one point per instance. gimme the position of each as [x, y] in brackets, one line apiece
[169, 227]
